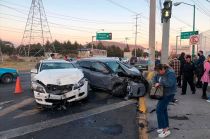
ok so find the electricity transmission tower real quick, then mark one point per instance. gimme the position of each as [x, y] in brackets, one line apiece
[36, 30]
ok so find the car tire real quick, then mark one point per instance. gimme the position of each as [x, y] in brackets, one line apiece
[7, 78]
[118, 90]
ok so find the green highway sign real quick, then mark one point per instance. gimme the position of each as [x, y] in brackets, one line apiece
[186, 35]
[103, 36]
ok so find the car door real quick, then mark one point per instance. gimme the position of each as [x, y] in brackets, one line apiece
[100, 75]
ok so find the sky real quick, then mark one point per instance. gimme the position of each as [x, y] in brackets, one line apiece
[79, 20]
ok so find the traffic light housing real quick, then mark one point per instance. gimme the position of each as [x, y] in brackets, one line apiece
[166, 11]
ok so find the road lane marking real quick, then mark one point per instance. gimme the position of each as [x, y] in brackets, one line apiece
[16, 106]
[27, 113]
[6, 102]
[11, 133]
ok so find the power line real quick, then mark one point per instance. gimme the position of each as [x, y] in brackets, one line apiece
[65, 17]
[121, 6]
[180, 20]
[62, 25]
[200, 8]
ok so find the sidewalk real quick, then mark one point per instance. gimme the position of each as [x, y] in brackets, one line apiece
[189, 118]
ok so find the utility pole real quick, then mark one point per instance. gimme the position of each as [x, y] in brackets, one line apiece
[152, 22]
[92, 42]
[177, 43]
[136, 32]
[126, 42]
[166, 15]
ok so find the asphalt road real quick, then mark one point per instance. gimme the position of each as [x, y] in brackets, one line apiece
[101, 116]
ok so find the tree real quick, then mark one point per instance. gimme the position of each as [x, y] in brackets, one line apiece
[101, 46]
[114, 51]
[7, 47]
[127, 49]
[139, 52]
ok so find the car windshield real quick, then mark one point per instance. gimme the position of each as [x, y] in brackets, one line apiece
[127, 65]
[113, 65]
[50, 65]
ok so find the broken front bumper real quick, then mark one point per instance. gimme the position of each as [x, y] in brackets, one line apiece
[50, 99]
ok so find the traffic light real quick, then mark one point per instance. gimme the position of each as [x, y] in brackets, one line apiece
[166, 11]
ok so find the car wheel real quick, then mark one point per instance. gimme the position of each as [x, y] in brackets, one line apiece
[118, 90]
[7, 78]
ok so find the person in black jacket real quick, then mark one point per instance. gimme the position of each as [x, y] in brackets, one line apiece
[182, 62]
[199, 68]
[188, 75]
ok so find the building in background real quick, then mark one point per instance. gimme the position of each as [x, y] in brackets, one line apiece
[204, 42]
[87, 52]
[185, 48]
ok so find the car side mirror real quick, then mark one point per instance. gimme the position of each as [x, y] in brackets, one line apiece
[35, 71]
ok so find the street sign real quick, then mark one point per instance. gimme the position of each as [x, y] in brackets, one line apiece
[194, 39]
[103, 36]
[186, 35]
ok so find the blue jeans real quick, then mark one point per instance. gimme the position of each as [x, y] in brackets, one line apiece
[162, 112]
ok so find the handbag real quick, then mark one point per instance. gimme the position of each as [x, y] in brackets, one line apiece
[156, 93]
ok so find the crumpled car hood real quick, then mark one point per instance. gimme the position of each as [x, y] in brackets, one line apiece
[60, 76]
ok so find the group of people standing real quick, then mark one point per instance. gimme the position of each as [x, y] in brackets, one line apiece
[179, 72]
[188, 71]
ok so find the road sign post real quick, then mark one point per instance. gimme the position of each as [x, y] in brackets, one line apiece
[104, 36]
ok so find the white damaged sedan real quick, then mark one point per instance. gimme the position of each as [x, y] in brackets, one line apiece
[57, 81]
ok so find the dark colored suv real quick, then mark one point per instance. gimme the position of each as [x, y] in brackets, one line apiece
[102, 73]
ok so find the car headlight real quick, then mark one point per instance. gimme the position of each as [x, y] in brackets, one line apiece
[38, 87]
[79, 84]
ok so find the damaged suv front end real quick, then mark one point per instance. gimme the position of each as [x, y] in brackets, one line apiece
[56, 86]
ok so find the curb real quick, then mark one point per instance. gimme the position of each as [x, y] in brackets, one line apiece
[142, 111]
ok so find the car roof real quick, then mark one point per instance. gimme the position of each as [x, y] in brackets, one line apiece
[54, 61]
[101, 59]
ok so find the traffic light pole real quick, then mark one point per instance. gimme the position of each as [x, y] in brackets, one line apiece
[152, 34]
[166, 15]
[165, 42]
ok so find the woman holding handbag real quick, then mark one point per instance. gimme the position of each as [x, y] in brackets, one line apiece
[206, 78]
[166, 78]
